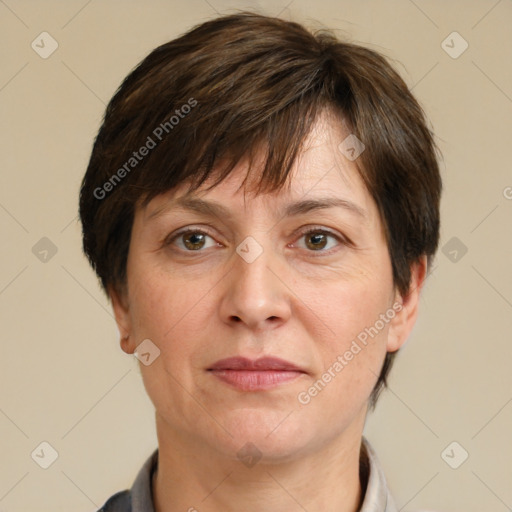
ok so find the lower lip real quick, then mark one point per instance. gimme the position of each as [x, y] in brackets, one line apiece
[256, 380]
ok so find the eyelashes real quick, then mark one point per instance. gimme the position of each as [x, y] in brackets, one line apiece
[189, 232]
[194, 240]
[320, 236]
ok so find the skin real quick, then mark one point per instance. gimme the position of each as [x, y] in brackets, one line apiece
[303, 299]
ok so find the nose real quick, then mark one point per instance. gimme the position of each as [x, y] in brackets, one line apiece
[255, 294]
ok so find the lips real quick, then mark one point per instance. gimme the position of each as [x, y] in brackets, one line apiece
[255, 375]
[262, 364]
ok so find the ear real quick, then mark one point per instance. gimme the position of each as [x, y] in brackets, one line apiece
[406, 307]
[123, 319]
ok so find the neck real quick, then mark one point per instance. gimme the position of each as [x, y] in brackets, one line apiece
[195, 479]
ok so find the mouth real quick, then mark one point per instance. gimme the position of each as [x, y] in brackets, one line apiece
[255, 375]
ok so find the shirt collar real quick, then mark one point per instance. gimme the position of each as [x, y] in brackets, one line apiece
[377, 497]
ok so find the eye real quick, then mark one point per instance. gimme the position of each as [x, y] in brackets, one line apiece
[317, 240]
[191, 240]
[194, 240]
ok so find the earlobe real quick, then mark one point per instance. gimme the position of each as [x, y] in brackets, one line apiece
[407, 308]
[126, 345]
[123, 320]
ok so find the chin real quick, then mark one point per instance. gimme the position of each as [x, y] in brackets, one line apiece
[265, 434]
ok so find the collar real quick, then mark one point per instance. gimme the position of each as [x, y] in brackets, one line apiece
[377, 497]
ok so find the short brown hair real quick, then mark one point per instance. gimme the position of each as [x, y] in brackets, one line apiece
[233, 84]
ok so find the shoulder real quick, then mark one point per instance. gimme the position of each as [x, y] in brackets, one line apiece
[119, 502]
[378, 496]
[139, 498]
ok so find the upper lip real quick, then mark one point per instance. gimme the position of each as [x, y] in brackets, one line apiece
[261, 364]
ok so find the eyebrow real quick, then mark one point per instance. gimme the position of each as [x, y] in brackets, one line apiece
[216, 209]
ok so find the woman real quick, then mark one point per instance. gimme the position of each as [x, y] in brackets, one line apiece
[262, 208]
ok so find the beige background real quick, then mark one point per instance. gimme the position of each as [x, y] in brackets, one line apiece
[65, 380]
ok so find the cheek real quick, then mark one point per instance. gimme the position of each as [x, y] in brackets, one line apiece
[350, 365]
[350, 333]
[344, 308]
[173, 315]
[158, 303]
[171, 319]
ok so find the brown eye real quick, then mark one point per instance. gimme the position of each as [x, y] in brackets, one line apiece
[191, 240]
[318, 240]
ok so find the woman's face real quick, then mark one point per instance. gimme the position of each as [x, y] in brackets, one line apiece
[248, 281]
